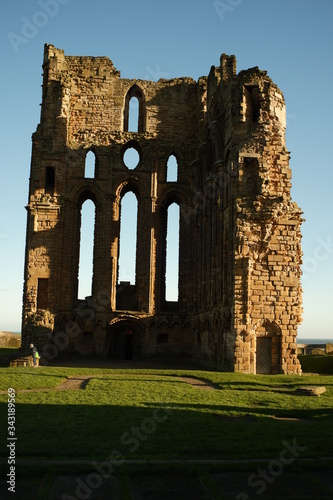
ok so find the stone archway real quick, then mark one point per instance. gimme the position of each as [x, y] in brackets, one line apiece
[124, 338]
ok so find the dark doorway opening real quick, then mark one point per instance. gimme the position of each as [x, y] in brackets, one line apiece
[124, 341]
[128, 351]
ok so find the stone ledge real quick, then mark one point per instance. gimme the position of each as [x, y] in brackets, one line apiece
[310, 390]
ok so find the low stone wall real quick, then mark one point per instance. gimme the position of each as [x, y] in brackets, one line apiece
[8, 339]
[329, 349]
[317, 349]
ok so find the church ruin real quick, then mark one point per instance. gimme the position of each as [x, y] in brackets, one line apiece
[239, 290]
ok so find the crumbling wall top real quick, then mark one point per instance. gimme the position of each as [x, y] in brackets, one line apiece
[52, 52]
[100, 66]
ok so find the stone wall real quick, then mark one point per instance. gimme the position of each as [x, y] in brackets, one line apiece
[8, 339]
[239, 250]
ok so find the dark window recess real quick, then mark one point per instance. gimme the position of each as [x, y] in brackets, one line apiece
[252, 180]
[252, 97]
[49, 180]
[162, 338]
[42, 293]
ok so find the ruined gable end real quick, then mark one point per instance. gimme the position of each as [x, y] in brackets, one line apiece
[211, 151]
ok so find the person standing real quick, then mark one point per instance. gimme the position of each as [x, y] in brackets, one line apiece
[33, 354]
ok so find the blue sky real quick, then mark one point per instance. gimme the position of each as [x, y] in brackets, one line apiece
[149, 39]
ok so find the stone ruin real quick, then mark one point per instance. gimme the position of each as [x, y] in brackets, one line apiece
[239, 290]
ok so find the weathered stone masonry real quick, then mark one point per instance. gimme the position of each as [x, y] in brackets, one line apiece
[239, 250]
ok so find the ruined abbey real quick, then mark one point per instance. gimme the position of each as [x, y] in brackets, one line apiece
[239, 290]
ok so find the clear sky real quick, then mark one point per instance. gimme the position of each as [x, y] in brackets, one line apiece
[150, 39]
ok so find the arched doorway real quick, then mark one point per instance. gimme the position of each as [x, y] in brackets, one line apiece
[268, 349]
[124, 338]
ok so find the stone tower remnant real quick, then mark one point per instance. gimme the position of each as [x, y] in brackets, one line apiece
[239, 291]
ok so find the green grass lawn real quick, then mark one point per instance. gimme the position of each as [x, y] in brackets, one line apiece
[155, 414]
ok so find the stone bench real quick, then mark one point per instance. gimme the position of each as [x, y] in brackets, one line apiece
[24, 361]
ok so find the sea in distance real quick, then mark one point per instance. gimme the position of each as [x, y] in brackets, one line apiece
[304, 340]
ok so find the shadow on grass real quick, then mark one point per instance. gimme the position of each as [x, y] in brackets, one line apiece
[4, 351]
[165, 432]
[77, 361]
[270, 385]
[261, 411]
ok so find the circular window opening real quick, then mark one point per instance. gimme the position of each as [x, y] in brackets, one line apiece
[131, 158]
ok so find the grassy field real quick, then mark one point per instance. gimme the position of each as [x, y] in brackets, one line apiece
[155, 414]
[317, 364]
